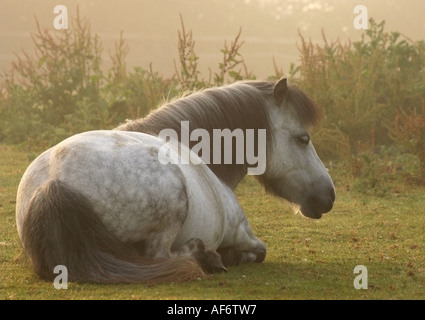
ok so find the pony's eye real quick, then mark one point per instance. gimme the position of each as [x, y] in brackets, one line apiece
[303, 139]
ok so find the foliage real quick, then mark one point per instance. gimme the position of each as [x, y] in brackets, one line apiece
[55, 88]
[382, 172]
[408, 131]
[361, 85]
[188, 74]
[63, 88]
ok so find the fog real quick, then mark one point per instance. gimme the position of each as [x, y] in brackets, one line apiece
[269, 27]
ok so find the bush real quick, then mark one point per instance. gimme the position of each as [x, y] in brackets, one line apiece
[187, 71]
[63, 89]
[361, 85]
[47, 94]
[383, 172]
[408, 131]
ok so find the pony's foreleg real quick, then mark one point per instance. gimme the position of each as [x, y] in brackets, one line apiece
[157, 245]
[241, 246]
[208, 259]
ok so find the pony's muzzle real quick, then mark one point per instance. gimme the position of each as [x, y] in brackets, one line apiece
[319, 202]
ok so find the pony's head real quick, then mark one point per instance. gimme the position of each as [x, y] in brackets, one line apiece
[294, 170]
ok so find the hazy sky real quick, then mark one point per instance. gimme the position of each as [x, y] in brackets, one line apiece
[269, 27]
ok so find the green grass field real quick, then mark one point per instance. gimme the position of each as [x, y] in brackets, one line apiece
[306, 259]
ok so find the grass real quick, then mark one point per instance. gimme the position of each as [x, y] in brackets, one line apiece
[306, 259]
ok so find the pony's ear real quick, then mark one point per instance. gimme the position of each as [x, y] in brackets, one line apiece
[280, 90]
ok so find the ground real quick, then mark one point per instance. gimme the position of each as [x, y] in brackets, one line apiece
[306, 259]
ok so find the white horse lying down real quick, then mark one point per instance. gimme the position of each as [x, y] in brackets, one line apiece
[102, 203]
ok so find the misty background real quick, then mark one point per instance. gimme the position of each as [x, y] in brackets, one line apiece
[269, 27]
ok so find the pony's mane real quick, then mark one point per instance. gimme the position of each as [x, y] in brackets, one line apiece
[235, 106]
[240, 105]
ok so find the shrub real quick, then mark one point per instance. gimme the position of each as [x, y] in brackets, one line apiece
[360, 85]
[63, 89]
[231, 68]
[56, 89]
[408, 131]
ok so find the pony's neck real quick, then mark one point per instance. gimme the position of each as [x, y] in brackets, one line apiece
[230, 174]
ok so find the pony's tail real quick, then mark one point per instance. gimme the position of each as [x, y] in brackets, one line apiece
[61, 228]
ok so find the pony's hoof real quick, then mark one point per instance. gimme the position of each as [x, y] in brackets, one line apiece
[212, 263]
[208, 259]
